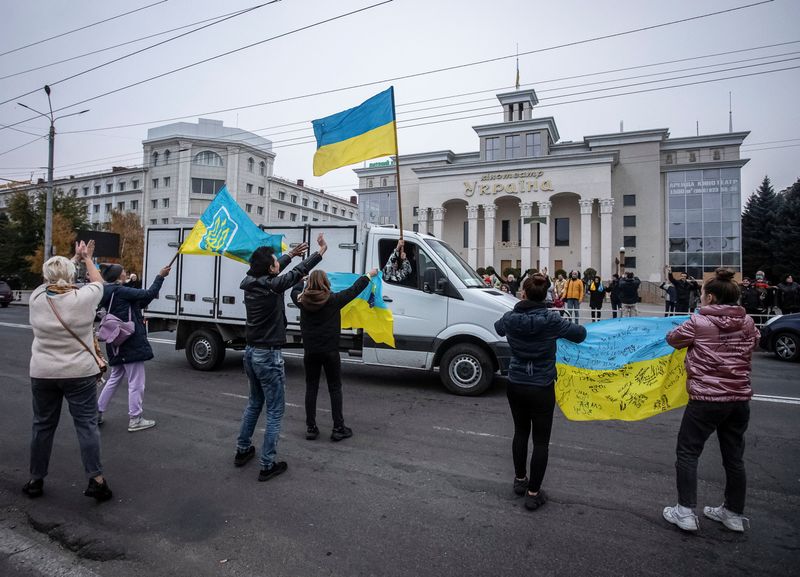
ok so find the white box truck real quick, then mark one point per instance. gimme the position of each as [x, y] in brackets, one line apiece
[443, 313]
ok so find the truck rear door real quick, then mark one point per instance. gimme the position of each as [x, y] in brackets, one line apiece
[162, 243]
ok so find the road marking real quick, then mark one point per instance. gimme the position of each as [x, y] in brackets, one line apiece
[776, 399]
[15, 326]
[162, 341]
[245, 397]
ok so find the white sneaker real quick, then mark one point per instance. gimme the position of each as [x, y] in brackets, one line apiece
[139, 424]
[731, 520]
[681, 516]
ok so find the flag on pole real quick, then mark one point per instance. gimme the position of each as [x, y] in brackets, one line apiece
[624, 370]
[360, 133]
[367, 311]
[224, 229]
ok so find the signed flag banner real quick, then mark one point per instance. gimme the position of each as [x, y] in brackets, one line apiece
[367, 311]
[360, 133]
[624, 370]
[225, 229]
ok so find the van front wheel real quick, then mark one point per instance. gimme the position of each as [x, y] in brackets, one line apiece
[205, 350]
[466, 369]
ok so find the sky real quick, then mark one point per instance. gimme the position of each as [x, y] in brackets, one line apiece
[390, 40]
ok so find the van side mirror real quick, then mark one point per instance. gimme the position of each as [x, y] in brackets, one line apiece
[433, 282]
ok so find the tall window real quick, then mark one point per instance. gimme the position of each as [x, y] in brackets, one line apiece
[262, 168]
[155, 183]
[155, 159]
[513, 146]
[383, 182]
[260, 210]
[249, 188]
[166, 156]
[109, 187]
[86, 190]
[135, 184]
[165, 202]
[533, 144]
[466, 233]
[121, 206]
[154, 203]
[248, 207]
[281, 214]
[97, 189]
[121, 186]
[505, 227]
[493, 148]
[293, 199]
[207, 158]
[166, 181]
[250, 164]
[134, 205]
[562, 231]
[260, 191]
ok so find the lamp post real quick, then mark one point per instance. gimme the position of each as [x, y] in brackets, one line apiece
[48, 214]
[621, 261]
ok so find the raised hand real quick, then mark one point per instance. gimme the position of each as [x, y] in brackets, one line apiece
[299, 250]
[164, 272]
[323, 246]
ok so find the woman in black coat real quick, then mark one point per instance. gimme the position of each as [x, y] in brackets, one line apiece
[128, 358]
[320, 326]
[597, 294]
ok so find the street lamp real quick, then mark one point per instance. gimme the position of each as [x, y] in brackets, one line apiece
[48, 215]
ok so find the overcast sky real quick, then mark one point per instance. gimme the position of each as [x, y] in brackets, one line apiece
[396, 39]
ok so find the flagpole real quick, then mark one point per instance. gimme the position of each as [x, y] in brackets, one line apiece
[397, 169]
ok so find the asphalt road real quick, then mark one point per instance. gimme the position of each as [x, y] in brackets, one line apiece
[423, 487]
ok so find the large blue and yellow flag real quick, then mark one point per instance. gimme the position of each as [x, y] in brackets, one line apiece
[367, 311]
[624, 370]
[360, 133]
[225, 229]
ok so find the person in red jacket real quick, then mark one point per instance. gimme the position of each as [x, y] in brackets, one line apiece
[720, 339]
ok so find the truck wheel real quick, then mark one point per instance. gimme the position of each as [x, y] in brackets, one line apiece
[205, 350]
[466, 370]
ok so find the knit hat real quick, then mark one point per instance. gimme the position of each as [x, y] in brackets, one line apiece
[112, 273]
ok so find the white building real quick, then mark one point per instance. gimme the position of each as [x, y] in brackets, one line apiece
[525, 200]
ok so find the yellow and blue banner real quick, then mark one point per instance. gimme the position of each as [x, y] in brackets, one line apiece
[367, 311]
[224, 229]
[624, 370]
[360, 133]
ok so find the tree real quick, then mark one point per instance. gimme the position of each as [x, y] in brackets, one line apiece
[758, 224]
[786, 234]
[131, 240]
[63, 242]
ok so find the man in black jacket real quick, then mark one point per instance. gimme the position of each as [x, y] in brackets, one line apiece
[683, 290]
[263, 362]
[629, 295]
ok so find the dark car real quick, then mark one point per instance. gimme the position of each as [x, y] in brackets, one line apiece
[6, 296]
[781, 335]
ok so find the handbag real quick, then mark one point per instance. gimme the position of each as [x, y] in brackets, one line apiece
[101, 362]
[113, 330]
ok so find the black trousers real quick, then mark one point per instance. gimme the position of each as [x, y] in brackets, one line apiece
[669, 308]
[332, 363]
[532, 409]
[614, 309]
[682, 307]
[700, 419]
[596, 312]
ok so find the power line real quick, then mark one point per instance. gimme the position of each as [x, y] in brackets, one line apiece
[107, 48]
[81, 28]
[37, 139]
[427, 72]
[146, 48]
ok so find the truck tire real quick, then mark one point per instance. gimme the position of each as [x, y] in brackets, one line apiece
[205, 350]
[466, 369]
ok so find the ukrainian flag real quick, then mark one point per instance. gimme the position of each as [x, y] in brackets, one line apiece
[624, 370]
[367, 311]
[360, 133]
[224, 229]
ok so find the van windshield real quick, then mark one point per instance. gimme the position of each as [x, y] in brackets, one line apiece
[456, 264]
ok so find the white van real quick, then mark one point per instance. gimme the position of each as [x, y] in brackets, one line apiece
[444, 314]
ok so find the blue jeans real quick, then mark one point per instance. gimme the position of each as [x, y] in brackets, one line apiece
[48, 396]
[573, 306]
[264, 368]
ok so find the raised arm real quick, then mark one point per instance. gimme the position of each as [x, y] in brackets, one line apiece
[682, 336]
[572, 332]
[341, 298]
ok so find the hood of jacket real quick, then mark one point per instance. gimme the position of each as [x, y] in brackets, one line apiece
[313, 300]
[726, 318]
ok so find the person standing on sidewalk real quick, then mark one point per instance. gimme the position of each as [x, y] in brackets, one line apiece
[320, 326]
[789, 296]
[532, 331]
[616, 302]
[683, 291]
[670, 298]
[597, 294]
[265, 333]
[720, 340]
[127, 359]
[573, 295]
[64, 365]
[629, 295]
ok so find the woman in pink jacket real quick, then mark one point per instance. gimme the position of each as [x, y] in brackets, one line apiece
[720, 339]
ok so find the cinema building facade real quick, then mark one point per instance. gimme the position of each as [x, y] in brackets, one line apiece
[527, 200]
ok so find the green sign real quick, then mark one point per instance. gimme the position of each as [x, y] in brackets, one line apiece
[381, 163]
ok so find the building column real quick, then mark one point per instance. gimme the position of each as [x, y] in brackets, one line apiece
[606, 264]
[438, 222]
[586, 232]
[472, 235]
[422, 219]
[184, 184]
[544, 235]
[525, 211]
[489, 212]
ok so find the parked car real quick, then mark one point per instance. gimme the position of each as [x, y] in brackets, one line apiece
[6, 296]
[781, 335]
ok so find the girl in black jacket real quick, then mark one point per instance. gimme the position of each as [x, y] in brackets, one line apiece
[320, 326]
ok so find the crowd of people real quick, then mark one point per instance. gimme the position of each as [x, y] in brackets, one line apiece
[66, 363]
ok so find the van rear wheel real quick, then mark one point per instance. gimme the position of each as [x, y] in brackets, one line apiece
[205, 350]
[466, 369]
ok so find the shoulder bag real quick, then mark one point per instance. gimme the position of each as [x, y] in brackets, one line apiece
[101, 363]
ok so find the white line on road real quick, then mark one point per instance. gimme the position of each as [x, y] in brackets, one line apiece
[775, 399]
[245, 397]
[15, 326]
